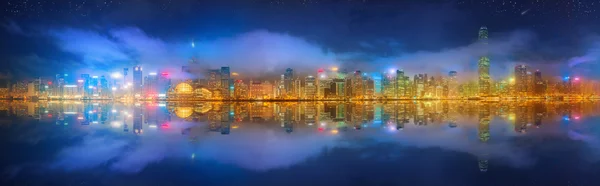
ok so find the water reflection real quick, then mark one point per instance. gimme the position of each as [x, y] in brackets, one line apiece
[268, 135]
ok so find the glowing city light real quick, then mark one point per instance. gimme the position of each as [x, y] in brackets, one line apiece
[152, 73]
[576, 78]
[335, 69]
[80, 81]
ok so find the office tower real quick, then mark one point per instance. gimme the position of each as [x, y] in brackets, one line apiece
[358, 85]
[310, 87]
[103, 89]
[420, 84]
[214, 79]
[389, 84]
[59, 82]
[521, 80]
[340, 88]
[241, 89]
[378, 84]
[298, 88]
[452, 84]
[484, 66]
[261, 90]
[288, 82]
[369, 88]
[86, 83]
[137, 81]
[226, 83]
[151, 85]
[401, 84]
[348, 84]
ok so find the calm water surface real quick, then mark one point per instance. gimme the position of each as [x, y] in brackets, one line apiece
[307, 143]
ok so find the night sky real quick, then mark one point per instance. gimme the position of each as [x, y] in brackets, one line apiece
[263, 37]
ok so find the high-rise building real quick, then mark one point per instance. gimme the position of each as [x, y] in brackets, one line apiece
[358, 86]
[240, 89]
[288, 82]
[521, 80]
[214, 80]
[260, 90]
[226, 83]
[452, 84]
[539, 87]
[137, 81]
[103, 89]
[151, 85]
[420, 84]
[378, 84]
[484, 65]
[401, 84]
[310, 87]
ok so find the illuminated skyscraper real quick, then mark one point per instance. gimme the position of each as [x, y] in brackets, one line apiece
[419, 84]
[288, 81]
[226, 83]
[539, 87]
[402, 84]
[521, 80]
[452, 84]
[137, 80]
[358, 84]
[484, 65]
[310, 87]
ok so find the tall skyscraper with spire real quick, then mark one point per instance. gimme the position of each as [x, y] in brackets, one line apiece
[484, 65]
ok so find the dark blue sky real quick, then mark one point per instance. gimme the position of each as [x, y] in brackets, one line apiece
[355, 34]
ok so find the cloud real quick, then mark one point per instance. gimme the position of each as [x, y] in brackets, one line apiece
[501, 52]
[263, 53]
[585, 64]
[93, 152]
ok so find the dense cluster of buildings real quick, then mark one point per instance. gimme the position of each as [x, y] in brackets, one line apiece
[326, 84]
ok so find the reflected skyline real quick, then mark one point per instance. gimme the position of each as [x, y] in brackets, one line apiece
[283, 134]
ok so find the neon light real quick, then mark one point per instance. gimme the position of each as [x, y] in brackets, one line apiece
[152, 73]
[162, 95]
[95, 77]
[80, 81]
[69, 112]
[70, 86]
